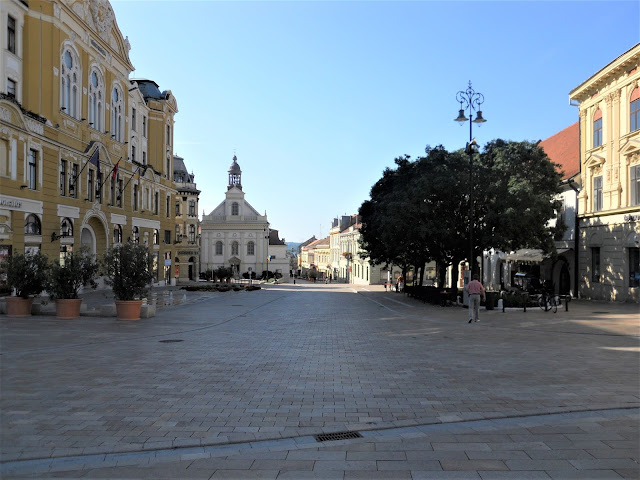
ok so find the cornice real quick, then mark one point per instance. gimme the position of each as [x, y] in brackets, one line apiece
[621, 65]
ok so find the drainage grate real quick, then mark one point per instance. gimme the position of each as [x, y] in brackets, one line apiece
[328, 437]
[601, 312]
[170, 341]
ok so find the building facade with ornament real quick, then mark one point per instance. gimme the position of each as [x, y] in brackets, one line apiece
[85, 151]
[609, 202]
[235, 235]
[186, 257]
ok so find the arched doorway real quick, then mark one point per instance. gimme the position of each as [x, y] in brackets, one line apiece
[191, 263]
[88, 238]
[564, 282]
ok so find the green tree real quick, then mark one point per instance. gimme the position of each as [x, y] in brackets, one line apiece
[515, 197]
[420, 211]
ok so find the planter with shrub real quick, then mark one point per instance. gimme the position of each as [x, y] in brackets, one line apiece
[65, 279]
[27, 275]
[129, 271]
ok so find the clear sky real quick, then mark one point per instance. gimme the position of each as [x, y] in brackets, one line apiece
[317, 98]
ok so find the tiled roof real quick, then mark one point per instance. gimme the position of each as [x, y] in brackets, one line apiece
[319, 243]
[563, 148]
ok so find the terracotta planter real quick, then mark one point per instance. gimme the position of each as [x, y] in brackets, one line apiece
[68, 308]
[18, 307]
[128, 309]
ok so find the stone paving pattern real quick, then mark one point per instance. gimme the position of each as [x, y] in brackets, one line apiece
[257, 374]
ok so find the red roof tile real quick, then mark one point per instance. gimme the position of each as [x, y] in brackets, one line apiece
[563, 148]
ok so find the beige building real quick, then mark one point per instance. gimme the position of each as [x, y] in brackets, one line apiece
[186, 255]
[348, 262]
[85, 152]
[609, 202]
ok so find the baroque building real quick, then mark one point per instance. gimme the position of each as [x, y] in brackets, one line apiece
[235, 235]
[609, 202]
[187, 229]
[85, 152]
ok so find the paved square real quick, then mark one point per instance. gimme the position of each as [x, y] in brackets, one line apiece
[256, 374]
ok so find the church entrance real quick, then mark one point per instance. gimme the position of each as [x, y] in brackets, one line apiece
[234, 263]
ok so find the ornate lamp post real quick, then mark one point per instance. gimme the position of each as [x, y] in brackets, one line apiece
[471, 101]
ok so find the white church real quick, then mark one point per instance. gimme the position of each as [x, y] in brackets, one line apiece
[235, 235]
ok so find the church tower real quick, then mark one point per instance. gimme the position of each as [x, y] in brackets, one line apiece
[235, 175]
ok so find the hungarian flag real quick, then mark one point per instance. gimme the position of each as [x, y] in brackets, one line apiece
[115, 170]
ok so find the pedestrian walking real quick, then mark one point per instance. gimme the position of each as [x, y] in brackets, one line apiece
[475, 291]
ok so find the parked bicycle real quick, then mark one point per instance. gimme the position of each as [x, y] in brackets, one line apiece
[548, 301]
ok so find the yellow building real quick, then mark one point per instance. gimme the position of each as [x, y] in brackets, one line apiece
[85, 151]
[187, 228]
[609, 202]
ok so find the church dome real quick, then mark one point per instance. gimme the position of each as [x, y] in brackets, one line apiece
[235, 168]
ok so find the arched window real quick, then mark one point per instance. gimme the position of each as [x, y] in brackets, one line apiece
[251, 248]
[218, 248]
[32, 225]
[135, 237]
[96, 100]
[235, 208]
[634, 108]
[192, 233]
[117, 234]
[66, 228]
[597, 128]
[69, 85]
[156, 237]
[234, 248]
[178, 236]
[117, 107]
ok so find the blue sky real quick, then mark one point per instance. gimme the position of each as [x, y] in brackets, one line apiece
[316, 99]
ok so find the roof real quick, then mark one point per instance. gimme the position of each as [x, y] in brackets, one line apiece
[235, 168]
[274, 238]
[323, 242]
[308, 242]
[178, 165]
[563, 148]
[150, 89]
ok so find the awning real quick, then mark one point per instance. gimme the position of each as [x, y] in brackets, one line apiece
[534, 255]
[525, 255]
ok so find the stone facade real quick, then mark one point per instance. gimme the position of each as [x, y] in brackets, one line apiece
[235, 235]
[609, 202]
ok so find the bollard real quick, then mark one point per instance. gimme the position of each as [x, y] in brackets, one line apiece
[500, 304]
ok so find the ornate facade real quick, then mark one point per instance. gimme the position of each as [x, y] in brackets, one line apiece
[85, 152]
[187, 229]
[235, 235]
[609, 202]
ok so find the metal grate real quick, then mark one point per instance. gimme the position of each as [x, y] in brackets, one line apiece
[170, 341]
[601, 312]
[328, 437]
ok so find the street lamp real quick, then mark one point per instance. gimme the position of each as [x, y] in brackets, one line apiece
[471, 101]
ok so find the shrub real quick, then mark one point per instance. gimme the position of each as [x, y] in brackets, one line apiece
[129, 270]
[27, 273]
[78, 269]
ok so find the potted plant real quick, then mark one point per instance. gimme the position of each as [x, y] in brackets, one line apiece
[129, 271]
[27, 275]
[65, 279]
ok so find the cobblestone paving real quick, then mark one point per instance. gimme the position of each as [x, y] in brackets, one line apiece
[256, 374]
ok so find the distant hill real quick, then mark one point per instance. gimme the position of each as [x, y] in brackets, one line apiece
[293, 246]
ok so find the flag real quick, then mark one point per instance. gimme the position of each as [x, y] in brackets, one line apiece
[95, 159]
[115, 170]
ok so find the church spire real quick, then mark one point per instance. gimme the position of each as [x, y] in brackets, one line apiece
[235, 175]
